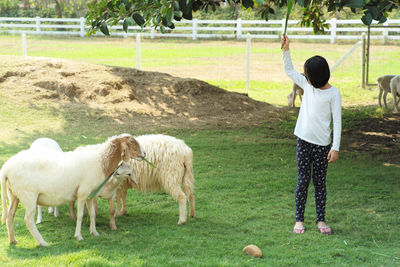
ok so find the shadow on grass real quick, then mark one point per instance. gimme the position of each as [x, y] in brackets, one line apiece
[367, 130]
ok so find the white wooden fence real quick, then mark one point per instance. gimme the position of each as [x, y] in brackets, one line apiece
[202, 29]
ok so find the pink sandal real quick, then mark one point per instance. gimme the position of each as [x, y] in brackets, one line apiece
[323, 229]
[299, 230]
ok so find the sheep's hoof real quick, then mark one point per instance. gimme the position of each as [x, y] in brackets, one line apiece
[181, 222]
[44, 244]
[13, 242]
[95, 233]
[79, 238]
[113, 227]
[38, 221]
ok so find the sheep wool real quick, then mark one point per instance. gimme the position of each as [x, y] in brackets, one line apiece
[173, 173]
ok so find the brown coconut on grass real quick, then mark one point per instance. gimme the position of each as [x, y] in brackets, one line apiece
[253, 250]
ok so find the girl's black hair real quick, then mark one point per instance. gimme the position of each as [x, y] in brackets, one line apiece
[317, 71]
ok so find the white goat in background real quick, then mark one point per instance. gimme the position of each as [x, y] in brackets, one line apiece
[395, 89]
[384, 88]
[43, 144]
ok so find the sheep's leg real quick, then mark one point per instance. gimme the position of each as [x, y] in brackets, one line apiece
[39, 214]
[50, 210]
[111, 210]
[80, 204]
[192, 205]
[178, 195]
[121, 195]
[92, 215]
[95, 205]
[72, 210]
[182, 199]
[118, 203]
[124, 206]
[380, 96]
[29, 200]
[188, 190]
[56, 212]
[294, 98]
[384, 98]
[394, 93]
[10, 218]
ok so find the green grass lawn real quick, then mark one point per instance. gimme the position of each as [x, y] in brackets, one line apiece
[244, 189]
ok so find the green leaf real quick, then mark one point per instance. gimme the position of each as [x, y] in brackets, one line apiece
[178, 13]
[162, 29]
[168, 16]
[374, 12]
[353, 3]
[247, 3]
[104, 29]
[382, 19]
[138, 19]
[176, 5]
[290, 5]
[367, 18]
[125, 25]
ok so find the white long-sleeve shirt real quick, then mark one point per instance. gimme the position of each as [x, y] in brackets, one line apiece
[317, 109]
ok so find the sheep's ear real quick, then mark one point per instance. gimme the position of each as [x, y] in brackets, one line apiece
[125, 154]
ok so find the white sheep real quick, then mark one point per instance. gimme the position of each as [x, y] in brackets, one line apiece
[173, 160]
[384, 87]
[57, 178]
[395, 89]
[44, 144]
[109, 191]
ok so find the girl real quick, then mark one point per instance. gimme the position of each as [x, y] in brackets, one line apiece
[321, 103]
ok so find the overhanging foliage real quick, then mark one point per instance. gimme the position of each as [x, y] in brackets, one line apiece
[161, 13]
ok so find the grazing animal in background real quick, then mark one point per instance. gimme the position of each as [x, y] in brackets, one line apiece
[55, 178]
[43, 144]
[173, 172]
[291, 98]
[384, 87]
[395, 89]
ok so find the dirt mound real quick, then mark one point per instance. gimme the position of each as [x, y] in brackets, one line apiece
[144, 96]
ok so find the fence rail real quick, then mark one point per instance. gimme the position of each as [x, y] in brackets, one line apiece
[203, 29]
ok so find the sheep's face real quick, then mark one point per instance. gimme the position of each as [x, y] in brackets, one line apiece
[131, 149]
[124, 171]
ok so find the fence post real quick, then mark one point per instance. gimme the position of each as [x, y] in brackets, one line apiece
[24, 45]
[283, 26]
[38, 24]
[82, 27]
[363, 61]
[385, 32]
[238, 29]
[194, 29]
[333, 23]
[138, 51]
[248, 42]
[152, 32]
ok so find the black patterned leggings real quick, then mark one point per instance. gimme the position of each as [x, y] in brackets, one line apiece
[311, 156]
